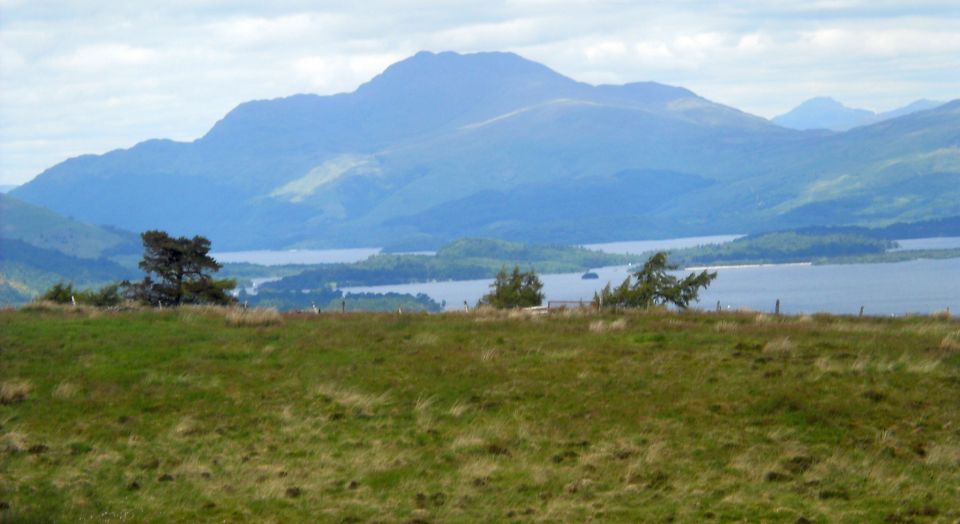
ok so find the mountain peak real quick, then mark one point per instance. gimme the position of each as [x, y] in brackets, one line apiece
[824, 112]
[465, 71]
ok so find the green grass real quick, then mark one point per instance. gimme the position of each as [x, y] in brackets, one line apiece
[490, 417]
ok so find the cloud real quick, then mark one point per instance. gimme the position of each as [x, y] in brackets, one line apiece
[88, 76]
[102, 56]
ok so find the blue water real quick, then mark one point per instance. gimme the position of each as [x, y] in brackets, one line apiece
[918, 286]
[296, 256]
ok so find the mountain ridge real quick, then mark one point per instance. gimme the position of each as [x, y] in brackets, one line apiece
[391, 161]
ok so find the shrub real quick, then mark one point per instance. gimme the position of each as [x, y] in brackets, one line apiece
[515, 289]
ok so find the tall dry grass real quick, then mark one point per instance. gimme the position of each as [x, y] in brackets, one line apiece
[14, 391]
[253, 317]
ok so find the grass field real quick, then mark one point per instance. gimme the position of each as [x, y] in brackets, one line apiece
[205, 415]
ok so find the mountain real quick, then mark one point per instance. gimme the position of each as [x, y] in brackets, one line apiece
[827, 113]
[441, 146]
[26, 271]
[919, 105]
[6, 188]
[43, 228]
[39, 248]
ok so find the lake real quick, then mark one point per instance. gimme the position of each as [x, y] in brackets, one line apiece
[296, 256]
[918, 286]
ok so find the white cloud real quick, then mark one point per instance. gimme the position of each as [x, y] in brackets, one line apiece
[102, 56]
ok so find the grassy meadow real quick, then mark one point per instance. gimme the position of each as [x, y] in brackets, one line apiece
[215, 415]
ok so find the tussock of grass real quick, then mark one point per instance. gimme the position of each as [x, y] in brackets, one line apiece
[350, 399]
[14, 391]
[602, 326]
[950, 343]
[725, 326]
[782, 346]
[253, 317]
[942, 315]
[65, 391]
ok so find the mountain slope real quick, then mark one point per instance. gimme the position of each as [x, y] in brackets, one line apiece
[46, 229]
[443, 145]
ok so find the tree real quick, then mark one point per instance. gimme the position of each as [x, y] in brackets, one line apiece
[514, 289]
[183, 269]
[654, 286]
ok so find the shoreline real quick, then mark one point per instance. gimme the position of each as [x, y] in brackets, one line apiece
[746, 266]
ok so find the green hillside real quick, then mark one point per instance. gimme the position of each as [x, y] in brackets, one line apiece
[204, 415]
[46, 229]
[39, 248]
[26, 271]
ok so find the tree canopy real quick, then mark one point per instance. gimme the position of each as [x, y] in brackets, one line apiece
[183, 270]
[514, 289]
[655, 286]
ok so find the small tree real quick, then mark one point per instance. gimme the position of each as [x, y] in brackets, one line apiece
[514, 289]
[183, 268]
[654, 286]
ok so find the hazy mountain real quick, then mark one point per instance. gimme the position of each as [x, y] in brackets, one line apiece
[441, 146]
[43, 228]
[827, 113]
[39, 248]
[919, 105]
[5, 188]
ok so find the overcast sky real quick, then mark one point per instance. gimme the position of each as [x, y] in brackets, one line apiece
[87, 76]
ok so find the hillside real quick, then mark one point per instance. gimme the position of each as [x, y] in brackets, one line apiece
[185, 416]
[39, 248]
[27, 271]
[441, 146]
[45, 229]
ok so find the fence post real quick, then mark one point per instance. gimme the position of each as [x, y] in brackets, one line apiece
[777, 308]
[861, 311]
[343, 306]
[718, 306]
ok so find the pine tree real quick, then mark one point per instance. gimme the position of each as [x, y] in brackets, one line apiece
[183, 268]
[655, 286]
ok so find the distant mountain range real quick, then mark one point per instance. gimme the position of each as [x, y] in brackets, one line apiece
[442, 146]
[827, 113]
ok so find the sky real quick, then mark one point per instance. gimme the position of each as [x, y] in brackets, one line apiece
[87, 76]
